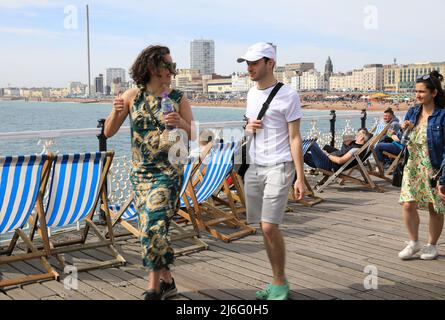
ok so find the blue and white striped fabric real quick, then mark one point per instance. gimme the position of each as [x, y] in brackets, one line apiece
[74, 187]
[131, 215]
[307, 143]
[379, 128]
[187, 173]
[20, 179]
[218, 167]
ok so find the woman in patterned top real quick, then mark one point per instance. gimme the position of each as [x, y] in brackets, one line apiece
[156, 179]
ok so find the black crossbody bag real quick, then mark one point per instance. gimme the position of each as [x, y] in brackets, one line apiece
[247, 141]
[397, 175]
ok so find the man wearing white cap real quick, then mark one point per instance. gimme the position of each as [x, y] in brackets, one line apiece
[276, 154]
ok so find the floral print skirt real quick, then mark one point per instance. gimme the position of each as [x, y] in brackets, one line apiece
[156, 202]
[418, 173]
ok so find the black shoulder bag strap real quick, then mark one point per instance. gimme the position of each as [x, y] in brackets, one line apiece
[272, 95]
[244, 166]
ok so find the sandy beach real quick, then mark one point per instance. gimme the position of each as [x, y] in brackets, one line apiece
[319, 105]
[374, 106]
[312, 105]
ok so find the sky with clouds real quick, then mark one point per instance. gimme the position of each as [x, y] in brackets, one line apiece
[43, 42]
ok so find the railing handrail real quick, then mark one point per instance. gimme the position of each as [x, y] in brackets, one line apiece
[60, 133]
[49, 134]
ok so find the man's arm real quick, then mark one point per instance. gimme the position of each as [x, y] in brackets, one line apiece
[341, 160]
[296, 147]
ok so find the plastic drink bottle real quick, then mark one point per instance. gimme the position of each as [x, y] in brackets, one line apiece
[167, 107]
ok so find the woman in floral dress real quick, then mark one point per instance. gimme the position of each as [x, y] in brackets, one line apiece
[426, 161]
[156, 179]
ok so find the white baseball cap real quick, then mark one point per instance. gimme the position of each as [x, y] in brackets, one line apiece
[258, 51]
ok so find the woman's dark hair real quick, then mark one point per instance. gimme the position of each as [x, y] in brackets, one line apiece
[152, 56]
[434, 82]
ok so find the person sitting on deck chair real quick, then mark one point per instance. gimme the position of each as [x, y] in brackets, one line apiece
[318, 158]
[205, 137]
[391, 141]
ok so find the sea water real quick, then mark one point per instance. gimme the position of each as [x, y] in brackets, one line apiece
[21, 116]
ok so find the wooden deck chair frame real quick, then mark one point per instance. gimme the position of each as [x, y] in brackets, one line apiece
[58, 248]
[309, 192]
[216, 216]
[231, 196]
[395, 159]
[193, 235]
[381, 173]
[330, 176]
[236, 196]
[6, 256]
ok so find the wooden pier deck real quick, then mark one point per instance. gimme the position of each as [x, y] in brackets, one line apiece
[328, 247]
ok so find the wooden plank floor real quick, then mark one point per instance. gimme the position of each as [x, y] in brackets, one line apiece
[328, 247]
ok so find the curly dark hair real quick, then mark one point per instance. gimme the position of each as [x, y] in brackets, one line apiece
[152, 56]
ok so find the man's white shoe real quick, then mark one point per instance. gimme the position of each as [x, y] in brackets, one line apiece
[410, 250]
[429, 252]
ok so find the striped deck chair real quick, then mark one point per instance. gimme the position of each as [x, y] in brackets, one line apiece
[233, 183]
[355, 163]
[23, 181]
[378, 128]
[309, 192]
[77, 184]
[380, 173]
[208, 215]
[126, 214]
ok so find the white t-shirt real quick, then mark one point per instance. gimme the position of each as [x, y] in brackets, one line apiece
[271, 144]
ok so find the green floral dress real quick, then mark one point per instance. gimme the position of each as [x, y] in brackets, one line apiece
[156, 181]
[418, 172]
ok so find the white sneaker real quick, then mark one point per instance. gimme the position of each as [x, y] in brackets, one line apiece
[410, 250]
[429, 252]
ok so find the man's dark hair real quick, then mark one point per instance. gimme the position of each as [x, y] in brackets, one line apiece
[368, 135]
[389, 110]
[152, 56]
[266, 60]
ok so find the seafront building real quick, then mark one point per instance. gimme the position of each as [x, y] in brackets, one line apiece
[219, 86]
[311, 80]
[77, 88]
[370, 78]
[202, 56]
[115, 74]
[328, 69]
[241, 83]
[301, 76]
[402, 78]
[99, 84]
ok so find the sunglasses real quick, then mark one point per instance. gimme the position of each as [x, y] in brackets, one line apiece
[426, 78]
[171, 66]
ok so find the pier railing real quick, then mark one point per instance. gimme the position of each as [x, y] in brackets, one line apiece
[329, 129]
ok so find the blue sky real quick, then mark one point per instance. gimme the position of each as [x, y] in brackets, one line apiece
[38, 50]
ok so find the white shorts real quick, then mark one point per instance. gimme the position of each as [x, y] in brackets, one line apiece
[267, 190]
